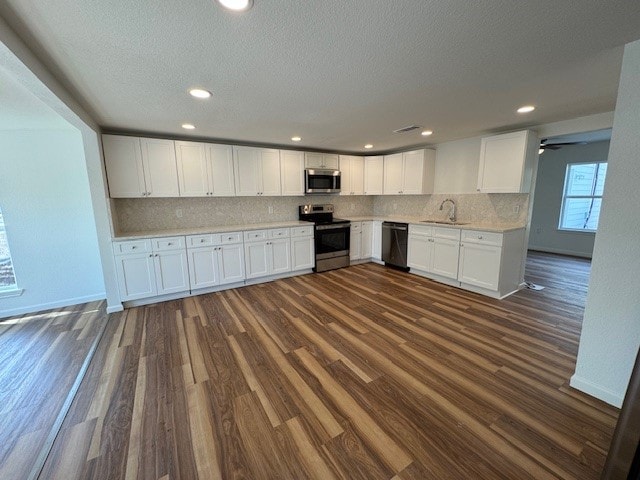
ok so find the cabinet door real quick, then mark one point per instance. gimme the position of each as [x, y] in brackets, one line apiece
[231, 263]
[256, 259]
[292, 172]
[280, 256]
[445, 257]
[193, 174]
[355, 241]
[203, 267]
[123, 162]
[502, 159]
[172, 271]
[313, 160]
[393, 175]
[136, 276]
[270, 170]
[479, 265]
[345, 175]
[160, 170]
[373, 175]
[419, 252]
[302, 253]
[221, 178]
[367, 240]
[330, 161]
[412, 173]
[377, 240]
[357, 175]
[246, 161]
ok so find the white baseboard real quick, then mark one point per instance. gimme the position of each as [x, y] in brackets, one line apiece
[596, 391]
[115, 308]
[48, 306]
[559, 251]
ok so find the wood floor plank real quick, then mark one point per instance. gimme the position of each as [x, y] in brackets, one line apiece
[358, 373]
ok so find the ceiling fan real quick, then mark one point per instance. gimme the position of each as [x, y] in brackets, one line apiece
[556, 146]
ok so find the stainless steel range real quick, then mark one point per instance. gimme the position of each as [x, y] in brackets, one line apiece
[331, 236]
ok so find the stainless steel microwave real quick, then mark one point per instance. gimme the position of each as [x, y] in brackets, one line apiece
[318, 180]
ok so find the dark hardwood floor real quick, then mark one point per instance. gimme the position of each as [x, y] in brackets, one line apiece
[363, 372]
[40, 356]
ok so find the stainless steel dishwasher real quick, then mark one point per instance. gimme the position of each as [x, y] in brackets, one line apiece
[394, 244]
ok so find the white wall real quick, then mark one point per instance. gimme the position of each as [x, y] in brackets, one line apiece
[611, 327]
[552, 166]
[45, 199]
[457, 166]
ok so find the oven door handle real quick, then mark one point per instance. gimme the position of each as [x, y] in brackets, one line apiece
[333, 227]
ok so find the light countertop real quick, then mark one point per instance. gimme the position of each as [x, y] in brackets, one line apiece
[204, 230]
[487, 227]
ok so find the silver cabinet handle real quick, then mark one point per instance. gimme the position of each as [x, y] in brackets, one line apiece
[134, 247]
[151, 255]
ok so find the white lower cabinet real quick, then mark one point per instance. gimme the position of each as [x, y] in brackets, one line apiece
[267, 252]
[376, 242]
[367, 240]
[151, 267]
[434, 250]
[480, 265]
[215, 259]
[302, 248]
[355, 241]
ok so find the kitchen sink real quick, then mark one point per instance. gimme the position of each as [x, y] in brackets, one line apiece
[442, 222]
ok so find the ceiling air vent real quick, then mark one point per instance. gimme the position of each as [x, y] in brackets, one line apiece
[410, 128]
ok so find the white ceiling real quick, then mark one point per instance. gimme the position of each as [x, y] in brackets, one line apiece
[338, 73]
[21, 110]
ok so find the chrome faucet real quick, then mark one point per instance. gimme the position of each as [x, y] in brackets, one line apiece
[452, 213]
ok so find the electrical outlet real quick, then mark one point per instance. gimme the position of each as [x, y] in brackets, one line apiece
[353, 206]
[395, 207]
[178, 212]
[516, 209]
[270, 210]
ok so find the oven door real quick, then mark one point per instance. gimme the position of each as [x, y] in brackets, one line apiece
[332, 240]
[321, 181]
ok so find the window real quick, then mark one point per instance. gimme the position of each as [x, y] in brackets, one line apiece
[582, 197]
[7, 275]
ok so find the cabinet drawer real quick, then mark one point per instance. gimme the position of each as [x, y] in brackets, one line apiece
[279, 233]
[132, 246]
[356, 226]
[203, 240]
[449, 233]
[230, 237]
[480, 237]
[422, 230]
[253, 235]
[168, 243]
[306, 231]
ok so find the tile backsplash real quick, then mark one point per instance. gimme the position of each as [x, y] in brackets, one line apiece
[490, 208]
[149, 214]
[142, 214]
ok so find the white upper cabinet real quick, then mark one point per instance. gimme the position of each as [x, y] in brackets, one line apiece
[257, 171]
[373, 175]
[292, 172]
[140, 167]
[409, 173]
[321, 160]
[159, 165]
[507, 162]
[352, 175]
[205, 169]
[193, 171]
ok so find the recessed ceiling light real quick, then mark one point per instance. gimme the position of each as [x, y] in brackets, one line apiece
[236, 5]
[200, 93]
[296, 139]
[368, 146]
[526, 109]
[426, 133]
[188, 126]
